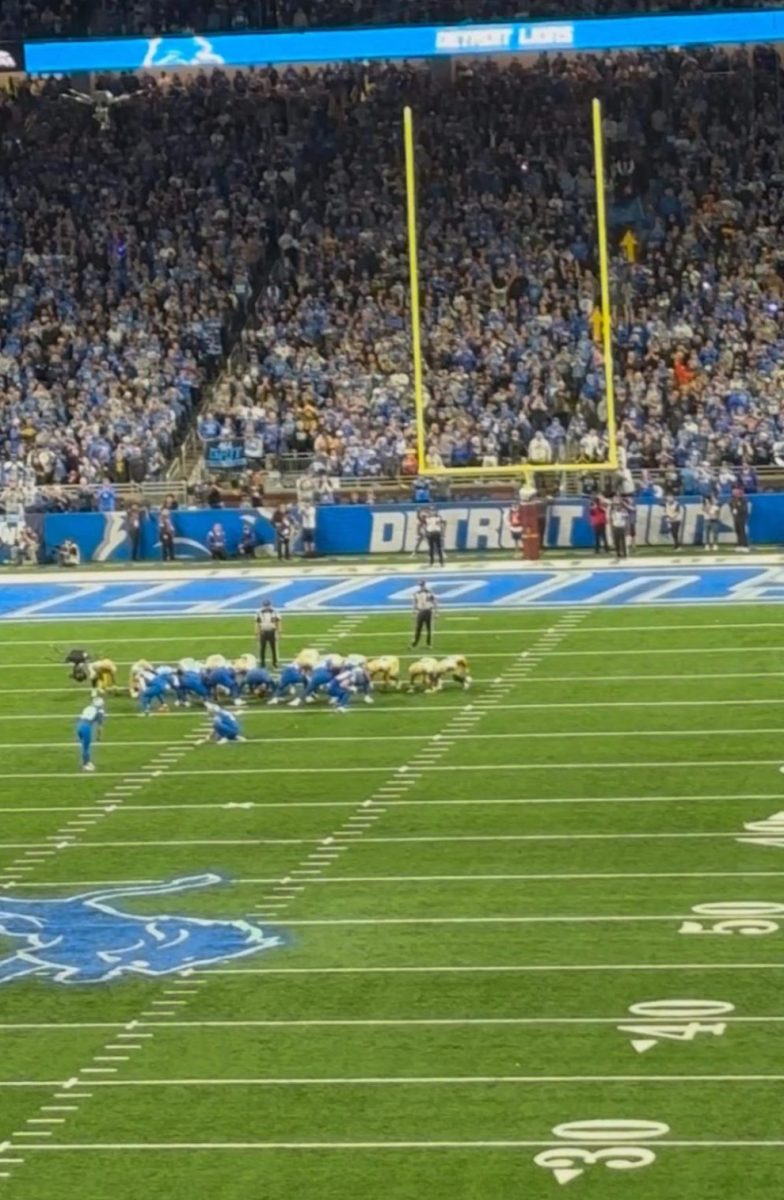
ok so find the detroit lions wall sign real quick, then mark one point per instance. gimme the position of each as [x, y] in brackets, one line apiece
[87, 939]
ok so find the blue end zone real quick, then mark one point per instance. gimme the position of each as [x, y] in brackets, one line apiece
[57, 599]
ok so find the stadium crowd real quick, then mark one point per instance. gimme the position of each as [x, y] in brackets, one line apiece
[134, 233]
[507, 218]
[67, 18]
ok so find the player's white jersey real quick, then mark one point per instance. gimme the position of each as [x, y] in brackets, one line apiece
[425, 671]
[456, 668]
[141, 673]
[385, 669]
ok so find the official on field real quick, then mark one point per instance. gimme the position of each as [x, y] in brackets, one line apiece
[434, 530]
[268, 629]
[424, 608]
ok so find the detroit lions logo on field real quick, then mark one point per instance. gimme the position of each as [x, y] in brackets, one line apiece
[86, 939]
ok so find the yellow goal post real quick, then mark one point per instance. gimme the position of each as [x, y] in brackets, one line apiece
[611, 462]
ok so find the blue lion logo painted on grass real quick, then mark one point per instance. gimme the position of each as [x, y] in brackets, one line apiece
[86, 939]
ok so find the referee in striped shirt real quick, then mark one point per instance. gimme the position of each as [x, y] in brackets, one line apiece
[268, 628]
[424, 608]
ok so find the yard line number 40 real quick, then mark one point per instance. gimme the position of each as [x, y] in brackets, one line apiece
[675, 1021]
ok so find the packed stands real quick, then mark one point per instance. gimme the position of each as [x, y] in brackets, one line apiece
[126, 261]
[511, 322]
[133, 243]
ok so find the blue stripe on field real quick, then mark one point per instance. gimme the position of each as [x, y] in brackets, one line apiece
[345, 593]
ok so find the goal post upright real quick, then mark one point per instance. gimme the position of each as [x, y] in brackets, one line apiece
[604, 282]
[413, 267]
[519, 469]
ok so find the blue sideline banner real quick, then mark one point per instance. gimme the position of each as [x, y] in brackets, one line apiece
[397, 42]
[391, 529]
[105, 537]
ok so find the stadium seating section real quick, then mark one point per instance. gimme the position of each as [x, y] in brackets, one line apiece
[138, 236]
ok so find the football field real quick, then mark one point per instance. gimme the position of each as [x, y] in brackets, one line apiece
[514, 941]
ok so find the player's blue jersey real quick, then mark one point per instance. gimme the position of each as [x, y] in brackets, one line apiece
[257, 677]
[224, 720]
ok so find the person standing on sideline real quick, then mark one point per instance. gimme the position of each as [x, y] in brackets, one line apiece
[619, 523]
[631, 509]
[434, 528]
[421, 533]
[711, 510]
[282, 523]
[135, 531]
[739, 507]
[166, 530]
[597, 515]
[216, 543]
[514, 519]
[268, 630]
[673, 514]
[307, 514]
[541, 502]
[424, 608]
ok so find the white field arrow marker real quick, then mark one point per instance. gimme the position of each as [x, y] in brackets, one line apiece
[566, 1174]
[643, 1044]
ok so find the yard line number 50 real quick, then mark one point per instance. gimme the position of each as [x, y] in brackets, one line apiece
[748, 918]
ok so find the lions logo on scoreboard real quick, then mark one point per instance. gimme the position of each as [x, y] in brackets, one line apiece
[87, 939]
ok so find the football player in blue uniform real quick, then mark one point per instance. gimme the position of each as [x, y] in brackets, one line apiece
[88, 728]
[321, 676]
[257, 681]
[223, 679]
[225, 726]
[291, 677]
[155, 692]
[187, 684]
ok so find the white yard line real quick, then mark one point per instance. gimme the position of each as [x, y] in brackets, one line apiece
[526, 969]
[598, 765]
[420, 711]
[66, 884]
[541, 648]
[541, 1143]
[586, 629]
[430, 802]
[350, 1023]
[632, 734]
[424, 1080]
[560, 919]
[402, 839]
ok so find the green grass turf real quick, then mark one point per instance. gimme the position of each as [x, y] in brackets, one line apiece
[455, 980]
